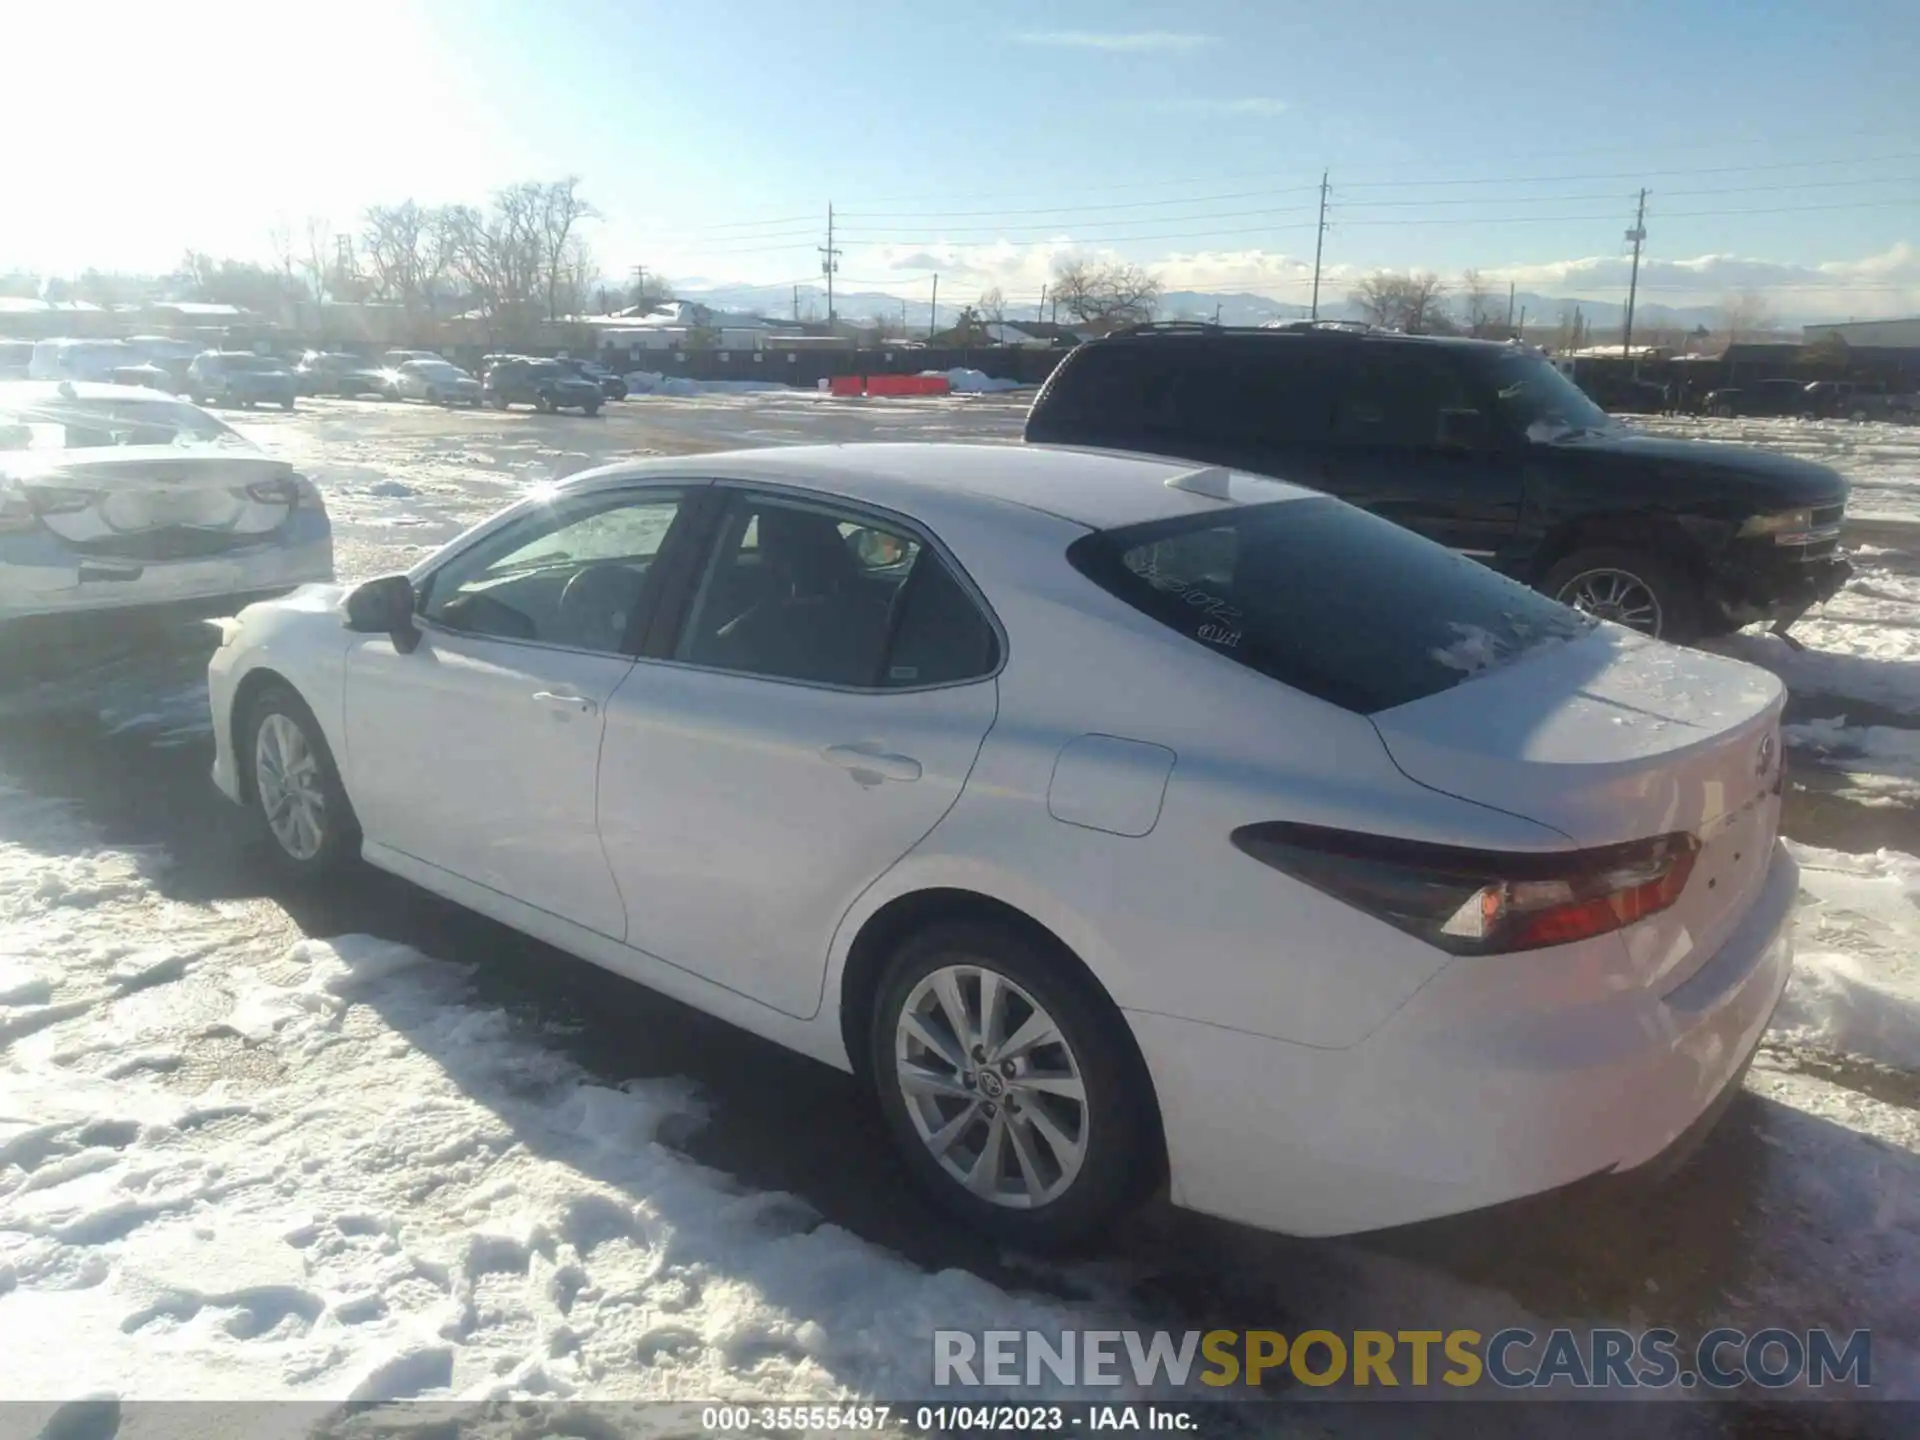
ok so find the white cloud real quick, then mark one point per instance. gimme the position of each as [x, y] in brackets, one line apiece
[1244, 105]
[1156, 40]
[1873, 285]
[1879, 285]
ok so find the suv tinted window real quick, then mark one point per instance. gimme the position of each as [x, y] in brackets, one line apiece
[1326, 598]
[1397, 396]
[1239, 391]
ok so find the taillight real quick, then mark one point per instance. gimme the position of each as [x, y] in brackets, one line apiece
[291, 491]
[1480, 902]
[55, 500]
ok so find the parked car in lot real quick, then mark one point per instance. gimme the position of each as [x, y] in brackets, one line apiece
[240, 377]
[611, 385]
[437, 382]
[1484, 447]
[94, 360]
[1764, 398]
[16, 359]
[1047, 791]
[114, 498]
[393, 359]
[543, 384]
[335, 373]
[164, 361]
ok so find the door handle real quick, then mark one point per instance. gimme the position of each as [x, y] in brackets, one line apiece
[578, 704]
[863, 761]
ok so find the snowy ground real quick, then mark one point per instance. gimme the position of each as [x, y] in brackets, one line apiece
[256, 1142]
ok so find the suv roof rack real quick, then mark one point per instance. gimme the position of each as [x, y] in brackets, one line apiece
[1208, 327]
[1151, 327]
[1357, 327]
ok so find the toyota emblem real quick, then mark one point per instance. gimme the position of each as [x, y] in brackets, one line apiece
[1763, 761]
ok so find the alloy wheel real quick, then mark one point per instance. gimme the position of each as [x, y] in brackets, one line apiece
[1616, 595]
[286, 774]
[992, 1086]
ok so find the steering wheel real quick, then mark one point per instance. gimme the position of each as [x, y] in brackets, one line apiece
[597, 603]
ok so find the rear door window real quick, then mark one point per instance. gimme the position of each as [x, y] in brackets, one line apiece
[1399, 397]
[1326, 598]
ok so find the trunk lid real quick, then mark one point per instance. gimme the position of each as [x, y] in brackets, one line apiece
[156, 502]
[1616, 737]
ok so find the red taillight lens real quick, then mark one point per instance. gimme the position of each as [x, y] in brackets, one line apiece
[1480, 902]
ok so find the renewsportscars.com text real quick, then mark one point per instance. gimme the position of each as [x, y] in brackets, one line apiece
[1512, 1359]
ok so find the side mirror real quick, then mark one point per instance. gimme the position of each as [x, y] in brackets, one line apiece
[385, 607]
[1464, 430]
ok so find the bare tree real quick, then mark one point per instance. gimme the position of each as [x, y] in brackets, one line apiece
[1744, 314]
[280, 235]
[993, 307]
[405, 246]
[317, 264]
[1484, 311]
[558, 207]
[1414, 304]
[1106, 296]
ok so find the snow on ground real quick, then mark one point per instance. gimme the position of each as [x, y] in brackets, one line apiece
[1856, 982]
[237, 1167]
[1881, 459]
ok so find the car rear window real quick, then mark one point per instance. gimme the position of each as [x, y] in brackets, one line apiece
[1326, 598]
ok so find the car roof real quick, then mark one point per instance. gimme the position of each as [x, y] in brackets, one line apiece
[28, 392]
[1096, 489]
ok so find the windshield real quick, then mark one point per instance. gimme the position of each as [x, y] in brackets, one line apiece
[436, 369]
[544, 367]
[1537, 399]
[84, 424]
[251, 362]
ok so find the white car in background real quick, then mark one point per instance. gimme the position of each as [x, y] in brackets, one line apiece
[114, 497]
[1115, 820]
[438, 382]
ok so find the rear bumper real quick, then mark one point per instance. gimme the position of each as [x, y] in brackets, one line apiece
[1460, 1102]
[40, 576]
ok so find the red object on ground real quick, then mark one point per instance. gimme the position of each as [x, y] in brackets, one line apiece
[847, 385]
[908, 385]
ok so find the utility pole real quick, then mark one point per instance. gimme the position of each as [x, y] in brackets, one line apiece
[796, 304]
[1637, 235]
[1509, 307]
[1523, 322]
[1040, 314]
[1216, 312]
[933, 310]
[1319, 240]
[829, 262]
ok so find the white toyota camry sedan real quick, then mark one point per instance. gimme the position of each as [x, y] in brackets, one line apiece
[1119, 822]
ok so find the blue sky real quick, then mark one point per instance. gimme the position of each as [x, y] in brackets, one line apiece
[988, 139]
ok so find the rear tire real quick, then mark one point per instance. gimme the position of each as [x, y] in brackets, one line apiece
[1640, 589]
[593, 409]
[286, 404]
[296, 795]
[1062, 1167]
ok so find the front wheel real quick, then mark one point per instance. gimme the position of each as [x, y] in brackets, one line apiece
[1008, 1085]
[499, 402]
[1639, 589]
[543, 403]
[297, 794]
[593, 409]
[286, 404]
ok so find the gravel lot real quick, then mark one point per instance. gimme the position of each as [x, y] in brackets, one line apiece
[1803, 1208]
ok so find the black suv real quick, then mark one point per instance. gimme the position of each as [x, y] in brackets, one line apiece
[1482, 446]
[543, 384]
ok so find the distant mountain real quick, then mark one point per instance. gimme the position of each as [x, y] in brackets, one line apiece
[1231, 307]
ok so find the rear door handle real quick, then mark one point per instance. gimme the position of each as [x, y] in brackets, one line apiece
[864, 761]
[578, 704]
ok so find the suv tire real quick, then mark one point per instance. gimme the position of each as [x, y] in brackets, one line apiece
[1640, 589]
[1092, 1157]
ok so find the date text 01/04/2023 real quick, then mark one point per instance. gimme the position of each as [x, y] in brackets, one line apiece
[943, 1419]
